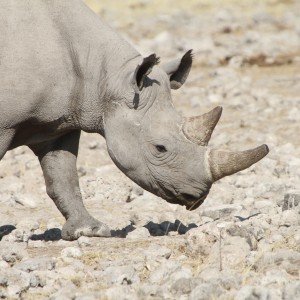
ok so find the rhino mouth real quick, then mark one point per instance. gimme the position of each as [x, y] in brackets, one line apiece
[190, 201]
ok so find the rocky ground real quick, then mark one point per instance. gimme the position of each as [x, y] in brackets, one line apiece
[244, 241]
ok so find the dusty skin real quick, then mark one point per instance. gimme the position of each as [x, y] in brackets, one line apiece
[247, 61]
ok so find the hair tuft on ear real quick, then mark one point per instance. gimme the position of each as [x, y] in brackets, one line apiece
[187, 59]
[178, 70]
[145, 69]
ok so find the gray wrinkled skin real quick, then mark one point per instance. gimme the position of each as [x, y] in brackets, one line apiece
[135, 138]
[62, 71]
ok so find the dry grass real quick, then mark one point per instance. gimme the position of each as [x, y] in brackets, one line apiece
[91, 258]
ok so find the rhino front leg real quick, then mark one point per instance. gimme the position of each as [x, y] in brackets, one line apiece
[58, 161]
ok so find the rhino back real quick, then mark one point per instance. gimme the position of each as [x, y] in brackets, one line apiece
[46, 49]
[31, 59]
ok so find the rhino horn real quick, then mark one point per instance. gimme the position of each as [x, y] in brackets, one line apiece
[200, 128]
[224, 163]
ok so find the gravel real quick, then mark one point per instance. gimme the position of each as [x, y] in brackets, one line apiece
[244, 241]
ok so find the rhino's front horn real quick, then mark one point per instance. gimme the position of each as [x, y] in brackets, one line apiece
[224, 163]
[199, 129]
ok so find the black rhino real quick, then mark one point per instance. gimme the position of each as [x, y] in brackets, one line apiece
[62, 71]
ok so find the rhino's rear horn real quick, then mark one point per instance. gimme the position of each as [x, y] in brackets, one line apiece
[199, 129]
[144, 69]
[224, 163]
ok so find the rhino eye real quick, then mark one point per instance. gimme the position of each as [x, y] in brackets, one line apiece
[161, 148]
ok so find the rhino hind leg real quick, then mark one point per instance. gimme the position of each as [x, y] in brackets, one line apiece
[58, 162]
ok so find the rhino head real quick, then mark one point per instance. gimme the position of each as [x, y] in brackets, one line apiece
[159, 149]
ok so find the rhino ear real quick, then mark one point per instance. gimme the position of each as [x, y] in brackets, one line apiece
[143, 70]
[179, 69]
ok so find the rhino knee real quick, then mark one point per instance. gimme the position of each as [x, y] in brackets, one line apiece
[50, 189]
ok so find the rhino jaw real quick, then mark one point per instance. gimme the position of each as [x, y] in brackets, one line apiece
[191, 202]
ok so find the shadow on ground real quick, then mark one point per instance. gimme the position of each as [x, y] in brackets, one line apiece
[156, 229]
[5, 230]
[53, 234]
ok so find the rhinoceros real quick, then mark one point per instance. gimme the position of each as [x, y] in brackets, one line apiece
[63, 70]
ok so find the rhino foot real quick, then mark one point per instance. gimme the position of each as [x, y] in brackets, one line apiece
[74, 228]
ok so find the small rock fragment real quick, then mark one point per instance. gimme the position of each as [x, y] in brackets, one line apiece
[71, 252]
[138, 233]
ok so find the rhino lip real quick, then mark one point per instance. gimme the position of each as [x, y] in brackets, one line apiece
[196, 204]
[189, 201]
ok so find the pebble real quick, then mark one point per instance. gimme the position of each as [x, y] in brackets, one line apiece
[226, 278]
[3, 264]
[120, 275]
[13, 254]
[27, 224]
[275, 277]
[71, 252]
[26, 200]
[33, 264]
[290, 218]
[84, 241]
[121, 293]
[138, 233]
[287, 260]
[36, 244]
[181, 285]
[253, 292]
[164, 271]
[264, 206]
[291, 291]
[205, 291]
[66, 292]
[221, 211]
[15, 281]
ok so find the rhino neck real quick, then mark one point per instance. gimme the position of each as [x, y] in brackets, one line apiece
[98, 86]
[98, 56]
